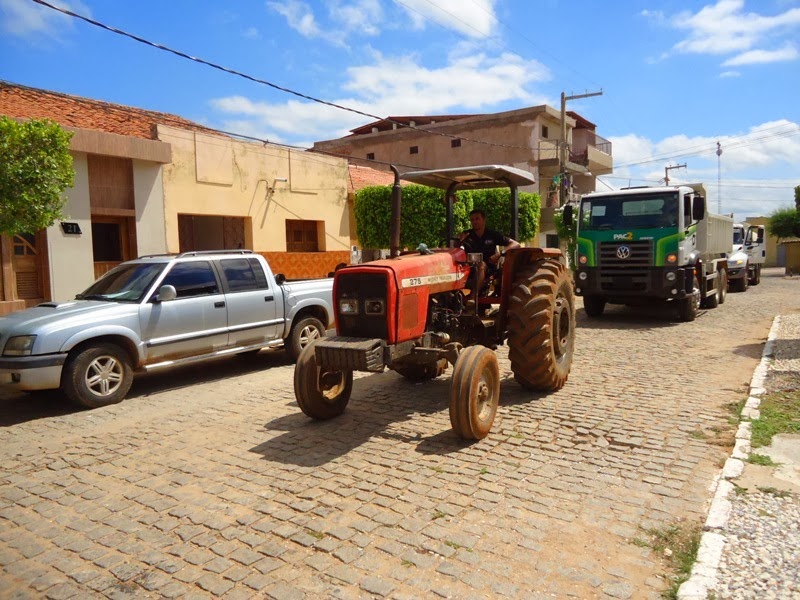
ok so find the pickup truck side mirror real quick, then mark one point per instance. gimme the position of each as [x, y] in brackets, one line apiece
[166, 293]
[280, 278]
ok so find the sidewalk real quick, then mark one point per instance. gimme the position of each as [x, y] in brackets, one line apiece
[751, 544]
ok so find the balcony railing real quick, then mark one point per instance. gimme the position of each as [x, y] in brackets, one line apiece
[548, 149]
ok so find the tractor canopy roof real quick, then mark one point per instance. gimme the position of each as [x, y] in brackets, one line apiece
[478, 177]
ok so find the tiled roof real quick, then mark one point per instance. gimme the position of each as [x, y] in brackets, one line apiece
[361, 177]
[73, 111]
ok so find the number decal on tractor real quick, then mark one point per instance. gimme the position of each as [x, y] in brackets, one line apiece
[410, 282]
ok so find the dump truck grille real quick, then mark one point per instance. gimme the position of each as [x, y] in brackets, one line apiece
[625, 266]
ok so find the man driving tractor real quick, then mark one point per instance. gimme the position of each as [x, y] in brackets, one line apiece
[484, 240]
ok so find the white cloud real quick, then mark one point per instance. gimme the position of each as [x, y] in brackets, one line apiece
[251, 33]
[752, 57]
[299, 16]
[475, 18]
[362, 17]
[729, 74]
[724, 28]
[398, 86]
[746, 168]
[24, 18]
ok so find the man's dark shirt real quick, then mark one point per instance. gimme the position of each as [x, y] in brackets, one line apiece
[485, 244]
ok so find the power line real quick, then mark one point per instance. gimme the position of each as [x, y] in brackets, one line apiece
[353, 110]
[263, 81]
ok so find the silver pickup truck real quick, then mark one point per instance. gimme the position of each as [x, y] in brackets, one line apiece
[159, 311]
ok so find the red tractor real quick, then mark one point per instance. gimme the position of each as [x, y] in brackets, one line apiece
[415, 312]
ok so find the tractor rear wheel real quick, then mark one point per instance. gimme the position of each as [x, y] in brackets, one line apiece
[321, 394]
[541, 326]
[474, 392]
[422, 372]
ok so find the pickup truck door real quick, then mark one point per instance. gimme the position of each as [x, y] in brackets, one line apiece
[194, 323]
[255, 308]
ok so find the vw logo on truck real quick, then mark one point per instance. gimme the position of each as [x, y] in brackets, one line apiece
[624, 252]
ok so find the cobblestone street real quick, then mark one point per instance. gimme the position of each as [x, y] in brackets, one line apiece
[209, 481]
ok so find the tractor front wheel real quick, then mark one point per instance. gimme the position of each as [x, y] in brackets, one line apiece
[321, 394]
[474, 393]
[541, 326]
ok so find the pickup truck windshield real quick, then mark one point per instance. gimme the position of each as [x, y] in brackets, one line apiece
[646, 211]
[125, 283]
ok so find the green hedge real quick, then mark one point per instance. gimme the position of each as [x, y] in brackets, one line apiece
[423, 217]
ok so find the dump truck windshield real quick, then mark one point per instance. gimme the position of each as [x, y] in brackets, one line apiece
[645, 211]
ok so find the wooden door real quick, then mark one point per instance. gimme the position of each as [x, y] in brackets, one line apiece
[26, 263]
[113, 241]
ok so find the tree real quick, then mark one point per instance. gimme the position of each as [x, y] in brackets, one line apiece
[423, 218]
[784, 223]
[35, 169]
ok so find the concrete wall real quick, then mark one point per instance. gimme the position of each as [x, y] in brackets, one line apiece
[148, 190]
[70, 256]
[217, 176]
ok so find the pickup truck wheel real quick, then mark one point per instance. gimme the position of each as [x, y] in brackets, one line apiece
[97, 375]
[722, 290]
[321, 394]
[422, 372]
[304, 332]
[541, 326]
[594, 305]
[474, 393]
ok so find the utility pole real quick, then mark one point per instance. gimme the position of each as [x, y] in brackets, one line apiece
[562, 154]
[668, 169]
[719, 179]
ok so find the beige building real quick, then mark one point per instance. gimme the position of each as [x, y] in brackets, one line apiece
[151, 183]
[527, 138]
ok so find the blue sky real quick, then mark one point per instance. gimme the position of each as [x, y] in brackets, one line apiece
[676, 76]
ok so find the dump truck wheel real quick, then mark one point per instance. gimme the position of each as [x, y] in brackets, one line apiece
[541, 326]
[594, 305]
[722, 290]
[688, 307]
[474, 393]
[321, 394]
[417, 372]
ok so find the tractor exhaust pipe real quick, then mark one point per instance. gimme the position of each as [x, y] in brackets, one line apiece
[394, 226]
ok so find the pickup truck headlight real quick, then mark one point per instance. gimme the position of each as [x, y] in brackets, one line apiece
[348, 306]
[20, 345]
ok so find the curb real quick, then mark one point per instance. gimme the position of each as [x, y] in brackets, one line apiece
[703, 578]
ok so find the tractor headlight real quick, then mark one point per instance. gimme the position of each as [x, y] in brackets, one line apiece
[20, 345]
[374, 306]
[348, 306]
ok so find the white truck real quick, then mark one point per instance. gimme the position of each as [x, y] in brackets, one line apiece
[652, 244]
[747, 256]
[159, 311]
